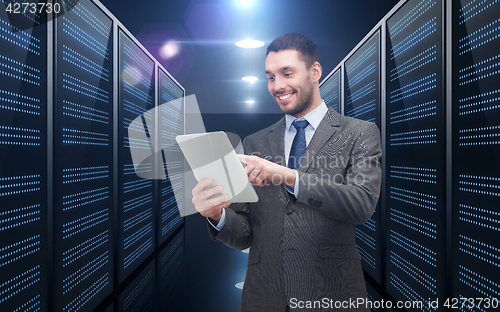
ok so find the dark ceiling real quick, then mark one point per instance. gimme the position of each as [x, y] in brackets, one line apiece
[210, 66]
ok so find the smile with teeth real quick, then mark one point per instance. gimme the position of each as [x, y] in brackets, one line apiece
[285, 96]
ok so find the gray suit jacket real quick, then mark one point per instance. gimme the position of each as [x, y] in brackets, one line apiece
[303, 249]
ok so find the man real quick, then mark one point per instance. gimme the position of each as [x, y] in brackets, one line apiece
[302, 230]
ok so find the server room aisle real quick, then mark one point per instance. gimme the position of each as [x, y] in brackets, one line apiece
[212, 270]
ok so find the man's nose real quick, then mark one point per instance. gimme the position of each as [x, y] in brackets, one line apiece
[279, 85]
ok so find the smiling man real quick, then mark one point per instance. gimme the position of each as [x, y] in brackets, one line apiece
[317, 174]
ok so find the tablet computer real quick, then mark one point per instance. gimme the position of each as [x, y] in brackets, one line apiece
[211, 155]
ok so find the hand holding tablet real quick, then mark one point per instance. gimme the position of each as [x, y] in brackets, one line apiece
[211, 155]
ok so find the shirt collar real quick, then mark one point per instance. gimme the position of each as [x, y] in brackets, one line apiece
[313, 117]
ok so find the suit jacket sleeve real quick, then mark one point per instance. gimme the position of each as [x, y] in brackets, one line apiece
[352, 198]
[237, 232]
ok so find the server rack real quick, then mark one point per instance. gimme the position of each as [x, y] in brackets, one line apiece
[137, 196]
[475, 145]
[416, 171]
[171, 123]
[362, 96]
[330, 89]
[440, 153]
[83, 151]
[171, 281]
[24, 242]
[139, 295]
[63, 243]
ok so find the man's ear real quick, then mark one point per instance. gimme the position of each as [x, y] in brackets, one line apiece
[316, 71]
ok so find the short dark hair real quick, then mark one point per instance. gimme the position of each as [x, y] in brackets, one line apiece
[292, 41]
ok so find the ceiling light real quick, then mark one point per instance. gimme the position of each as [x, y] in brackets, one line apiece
[250, 102]
[251, 79]
[239, 285]
[249, 44]
[169, 50]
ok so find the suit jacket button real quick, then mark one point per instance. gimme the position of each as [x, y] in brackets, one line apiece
[289, 211]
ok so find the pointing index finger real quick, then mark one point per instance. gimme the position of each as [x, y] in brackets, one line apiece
[242, 158]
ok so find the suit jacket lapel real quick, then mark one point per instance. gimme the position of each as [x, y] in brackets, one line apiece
[326, 129]
[276, 142]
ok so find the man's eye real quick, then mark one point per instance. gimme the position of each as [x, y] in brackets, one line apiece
[270, 78]
[288, 74]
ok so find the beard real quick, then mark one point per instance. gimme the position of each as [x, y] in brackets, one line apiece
[302, 101]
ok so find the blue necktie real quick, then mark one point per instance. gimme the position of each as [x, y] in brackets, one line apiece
[298, 145]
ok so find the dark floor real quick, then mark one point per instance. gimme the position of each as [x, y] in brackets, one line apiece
[212, 270]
